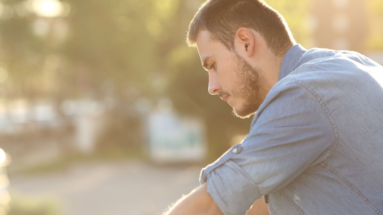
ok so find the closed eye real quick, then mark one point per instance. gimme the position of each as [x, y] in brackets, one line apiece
[212, 66]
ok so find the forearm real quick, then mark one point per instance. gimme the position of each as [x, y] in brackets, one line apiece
[198, 202]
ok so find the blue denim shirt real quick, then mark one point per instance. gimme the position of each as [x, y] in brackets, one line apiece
[315, 144]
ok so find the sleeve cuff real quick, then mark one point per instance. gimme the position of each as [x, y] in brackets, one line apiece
[232, 189]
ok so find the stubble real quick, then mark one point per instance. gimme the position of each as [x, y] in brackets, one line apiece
[251, 90]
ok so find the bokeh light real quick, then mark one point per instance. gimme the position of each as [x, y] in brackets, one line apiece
[49, 8]
[2, 156]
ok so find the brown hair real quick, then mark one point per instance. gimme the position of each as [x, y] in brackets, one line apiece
[222, 18]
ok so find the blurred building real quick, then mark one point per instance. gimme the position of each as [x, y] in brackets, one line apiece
[339, 24]
[35, 134]
[174, 139]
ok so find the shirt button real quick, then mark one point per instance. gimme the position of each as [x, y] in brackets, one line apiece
[235, 150]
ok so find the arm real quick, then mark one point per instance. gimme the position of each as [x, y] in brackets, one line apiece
[198, 201]
[291, 133]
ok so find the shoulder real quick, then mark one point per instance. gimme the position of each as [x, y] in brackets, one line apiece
[319, 75]
[330, 69]
[321, 60]
[291, 100]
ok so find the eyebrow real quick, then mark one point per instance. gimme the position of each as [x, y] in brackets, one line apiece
[206, 62]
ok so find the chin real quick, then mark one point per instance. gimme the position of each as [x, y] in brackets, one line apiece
[246, 110]
[243, 114]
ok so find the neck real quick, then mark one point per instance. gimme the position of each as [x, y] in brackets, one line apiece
[270, 65]
[267, 61]
[272, 69]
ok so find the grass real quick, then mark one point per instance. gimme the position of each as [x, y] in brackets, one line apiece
[67, 161]
[20, 205]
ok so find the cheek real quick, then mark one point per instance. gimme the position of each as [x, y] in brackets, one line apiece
[226, 68]
[227, 61]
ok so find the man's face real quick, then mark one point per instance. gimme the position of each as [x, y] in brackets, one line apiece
[230, 76]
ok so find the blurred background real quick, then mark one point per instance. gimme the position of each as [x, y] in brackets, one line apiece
[104, 109]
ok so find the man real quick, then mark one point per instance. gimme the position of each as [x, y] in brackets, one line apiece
[316, 140]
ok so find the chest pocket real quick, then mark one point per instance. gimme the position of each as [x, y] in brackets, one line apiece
[281, 204]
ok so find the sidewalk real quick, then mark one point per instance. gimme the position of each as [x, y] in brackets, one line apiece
[124, 188]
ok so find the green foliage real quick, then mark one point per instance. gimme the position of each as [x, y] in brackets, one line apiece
[25, 206]
[109, 40]
[293, 11]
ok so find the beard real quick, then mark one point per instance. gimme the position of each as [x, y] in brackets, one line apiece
[251, 90]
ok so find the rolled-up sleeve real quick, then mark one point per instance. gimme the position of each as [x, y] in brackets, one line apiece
[291, 131]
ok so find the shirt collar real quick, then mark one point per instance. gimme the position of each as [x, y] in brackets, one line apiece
[291, 59]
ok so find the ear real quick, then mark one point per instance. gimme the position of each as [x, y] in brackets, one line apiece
[244, 42]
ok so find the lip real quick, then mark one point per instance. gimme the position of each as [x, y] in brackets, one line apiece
[225, 97]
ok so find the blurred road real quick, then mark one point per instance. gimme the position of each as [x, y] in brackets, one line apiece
[124, 188]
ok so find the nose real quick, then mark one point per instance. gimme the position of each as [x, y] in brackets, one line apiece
[214, 87]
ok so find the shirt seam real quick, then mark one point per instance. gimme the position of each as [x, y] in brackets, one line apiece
[209, 181]
[280, 192]
[325, 109]
[221, 161]
[272, 210]
[329, 117]
[353, 188]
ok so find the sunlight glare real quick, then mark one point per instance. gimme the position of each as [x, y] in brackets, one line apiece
[48, 8]
[2, 156]
[378, 76]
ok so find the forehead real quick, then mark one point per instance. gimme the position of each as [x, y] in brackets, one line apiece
[208, 47]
